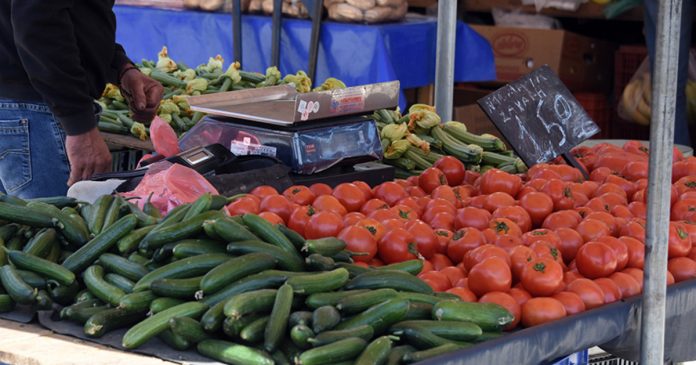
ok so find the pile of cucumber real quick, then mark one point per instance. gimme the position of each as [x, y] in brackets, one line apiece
[238, 289]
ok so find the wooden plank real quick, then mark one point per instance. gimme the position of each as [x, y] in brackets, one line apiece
[588, 10]
[30, 344]
[118, 141]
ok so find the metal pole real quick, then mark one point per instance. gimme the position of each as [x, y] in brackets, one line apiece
[275, 32]
[664, 98]
[315, 13]
[237, 29]
[444, 69]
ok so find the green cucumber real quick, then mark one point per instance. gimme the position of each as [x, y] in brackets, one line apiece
[154, 325]
[193, 247]
[84, 295]
[422, 298]
[398, 280]
[347, 349]
[6, 303]
[98, 211]
[93, 278]
[286, 260]
[186, 268]
[325, 318]
[33, 279]
[232, 353]
[328, 246]
[144, 219]
[360, 302]
[188, 328]
[233, 327]
[268, 232]
[364, 331]
[17, 242]
[254, 331]
[263, 280]
[320, 282]
[163, 303]
[278, 321]
[40, 266]
[24, 215]
[419, 310]
[16, 287]
[43, 301]
[413, 267]
[301, 335]
[177, 288]
[7, 231]
[122, 266]
[40, 245]
[82, 314]
[120, 282]
[130, 242]
[174, 341]
[317, 300]
[397, 353]
[176, 232]
[353, 269]
[110, 319]
[417, 356]
[57, 201]
[138, 259]
[212, 319]
[488, 316]
[62, 294]
[229, 230]
[380, 316]
[300, 317]
[297, 240]
[235, 269]
[218, 202]
[164, 253]
[453, 330]
[88, 253]
[66, 312]
[344, 257]
[250, 302]
[420, 337]
[209, 229]
[55, 253]
[317, 262]
[202, 204]
[138, 301]
[377, 352]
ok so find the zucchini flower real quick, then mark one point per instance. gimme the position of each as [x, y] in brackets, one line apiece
[418, 142]
[102, 104]
[182, 102]
[394, 132]
[186, 75]
[145, 70]
[331, 84]
[112, 92]
[166, 117]
[233, 72]
[273, 77]
[214, 63]
[424, 119]
[164, 63]
[138, 130]
[168, 107]
[302, 82]
[396, 149]
[196, 86]
[421, 107]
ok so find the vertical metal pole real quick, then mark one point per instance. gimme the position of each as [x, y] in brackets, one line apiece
[275, 32]
[315, 13]
[444, 70]
[237, 29]
[664, 98]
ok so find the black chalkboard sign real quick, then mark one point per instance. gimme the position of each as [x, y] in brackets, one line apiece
[539, 116]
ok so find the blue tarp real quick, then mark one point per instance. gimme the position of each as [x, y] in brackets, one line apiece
[357, 54]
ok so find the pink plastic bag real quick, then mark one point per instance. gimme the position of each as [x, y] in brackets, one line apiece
[170, 185]
[164, 138]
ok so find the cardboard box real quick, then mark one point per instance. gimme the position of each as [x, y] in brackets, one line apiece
[582, 63]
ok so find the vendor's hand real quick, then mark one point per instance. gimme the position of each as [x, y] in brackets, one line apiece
[88, 155]
[143, 93]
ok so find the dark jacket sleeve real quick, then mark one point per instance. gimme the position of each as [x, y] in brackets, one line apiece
[47, 48]
[120, 59]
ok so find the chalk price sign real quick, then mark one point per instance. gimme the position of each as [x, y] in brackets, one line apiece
[539, 116]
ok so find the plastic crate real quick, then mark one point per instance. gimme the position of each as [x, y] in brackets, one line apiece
[125, 160]
[598, 107]
[578, 358]
[607, 359]
[626, 61]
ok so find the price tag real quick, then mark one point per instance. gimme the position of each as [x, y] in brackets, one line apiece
[539, 116]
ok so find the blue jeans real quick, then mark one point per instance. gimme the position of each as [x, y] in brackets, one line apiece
[681, 124]
[33, 161]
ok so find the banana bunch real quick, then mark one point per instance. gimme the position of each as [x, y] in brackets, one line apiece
[636, 99]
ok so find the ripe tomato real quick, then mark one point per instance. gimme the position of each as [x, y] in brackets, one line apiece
[243, 205]
[323, 224]
[446, 192]
[432, 210]
[463, 193]
[495, 180]
[506, 301]
[443, 237]
[463, 241]
[299, 194]
[627, 186]
[405, 212]
[538, 205]
[490, 235]
[431, 178]
[329, 204]
[634, 228]
[320, 189]
[684, 210]
[507, 242]
[411, 203]
[350, 196]
[374, 227]
[612, 292]
[415, 192]
[520, 295]
[572, 302]
[516, 214]
[277, 204]
[491, 274]
[477, 255]
[595, 260]
[397, 245]
[590, 293]
[425, 239]
[299, 219]
[559, 191]
[464, 294]
[591, 229]
[272, 218]
[496, 200]
[478, 201]
[607, 218]
[670, 278]
[520, 256]
[472, 217]
[264, 191]
[546, 249]
[679, 241]
[541, 234]
[390, 192]
[542, 310]
[628, 285]
[682, 268]
[620, 250]
[562, 218]
[352, 218]
[372, 205]
[443, 220]
[440, 261]
[437, 280]
[542, 277]
[393, 223]
[685, 184]
[375, 263]
[636, 252]
[365, 188]
[685, 167]
[589, 188]
[569, 242]
[453, 274]
[383, 215]
[359, 240]
[453, 169]
[636, 274]
[504, 226]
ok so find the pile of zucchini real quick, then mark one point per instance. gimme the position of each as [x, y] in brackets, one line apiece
[415, 141]
[238, 289]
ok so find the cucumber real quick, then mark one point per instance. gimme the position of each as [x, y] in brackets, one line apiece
[193, 247]
[110, 319]
[144, 219]
[55, 253]
[286, 260]
[235, 269]
[380, 316]
[67, 312]
[43, 301]
[130, 242]
[297, 240]
[177, 288]
[420, 337]
[250, 302]
[138, 258]
[218, 202]
[413, 267]
[231, 353]
[7, 231]
[57, 201]
[422, 298]
[16, 243]
[280, 358]
[6, 303]
[95, 220]
[174, 341]
[325, 318]
[209, 229]
[88, 253]
[202, 204]
[122, 266]
[84, 295]
[488, 316]
[40, 266]
[254, 331]
[398, 280]
[3, 253]
[213, 318]
[397, 353]
[32, 279]
[231, 231]
[300, 335]
[453, 330]
[74, 231]
[342, 350]
[263, 280]
[154, 325]
[189, 329]
[16, 287]
[176, 232]
[164, 253]
[120, 282]
[353, 269]
[40, 245]
[268, 232]
[317, 262]
[75, 226]
[360, 302]
[321, 282]
[278, 321]
[417, 356]
[138, 301]
[163, 303]
[83, 314]
[377, 352]
[419, 310]
[186, 268]
[62, 294]
[364, 331]
[93, 278]
[300, 317]
[328, 246]
[233, 327]
[24, 215]
[317, 300]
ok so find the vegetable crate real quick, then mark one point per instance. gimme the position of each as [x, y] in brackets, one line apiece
[578, 358]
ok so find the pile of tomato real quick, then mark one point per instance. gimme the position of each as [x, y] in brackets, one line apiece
[544, 245]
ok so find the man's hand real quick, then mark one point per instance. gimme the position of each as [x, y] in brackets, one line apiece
[143, 93]
[88, 155]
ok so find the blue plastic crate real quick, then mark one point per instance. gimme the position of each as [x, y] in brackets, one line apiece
[578, 358]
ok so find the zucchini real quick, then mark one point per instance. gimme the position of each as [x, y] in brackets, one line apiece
[488, 316]
[230, 230]
[93, 278]
[453, 330]
[325, 318]
[16, 287]
[40, 245]
[286, 260]
[254, 331]
[398, 280]
[231, 353]
[278, 321]
[194, 247]
[110, 319]
[328, 246]
[233, 327]
[320, 282]
[380, 316]
[154, 325]
[175, 231]
[122, 266]
[235, 269]
[347, 349]
[138, 301]
[417, 356]
[250, 302]
[177, 288]
[364, 331]
[186, 268]
[360, 302]
[315, 301]
[25, 216]
[41, 266]
[88, 253]
[268, 232]
[163, 303]
[301, 335]
[6, 303]
[130, 242]
[189, 329]
[376, 353]
[120, 282]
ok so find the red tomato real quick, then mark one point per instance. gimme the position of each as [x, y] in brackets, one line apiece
[352, 218]
[277, 204]
[520, 256]
[612, 292]
[590, 293]
[264, 191]
[464, 294]
[473, 217]
[505, 226]
[595, 260]
[562, 218]
[359, 240]
[299, 194]
[415, 192]
[682, 268]
[397, 245]
[495, 180]
[572, 302]
[463, 194]
[453, 169]
[320, 189]
[463, 241]
[541, 234]
[520, 295]
[272, 218]
[686, 167]
[393, 223]
[684, 210]
[516, 214]
[453, 274]
[243, 205]
[679, 241]
[365, 188]
[620, 250]
[323, 224]
[328, 203]
[372, 205]
[508, 242]
[425, 239]
[477, 255]
[490, 235]
[538, 205]
[350, 196]
[506, 301]
[491, 274]
[546, 249]
[299, 219]
[635, 229]
[560, 192]
[498, 199]
[374, 227]
[427, 266]
[443, 220]
[542, 277]
[591, 229]
[443, 237]
[628, 285]
[440, 261]
[390, 192]
[433, 210]
[375, 263]
[636, 252]
[411, 203]
[636, 274]
[405, 212]
[437, 280]
[569, 242]
[606, 218]
[431, 178]
[542, 310]
[670, 278]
